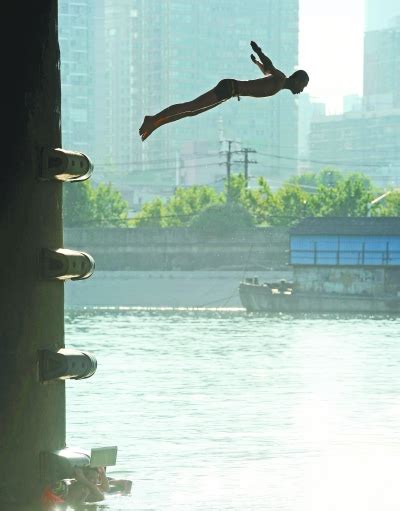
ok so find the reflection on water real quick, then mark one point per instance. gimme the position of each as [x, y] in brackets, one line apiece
[223, 410]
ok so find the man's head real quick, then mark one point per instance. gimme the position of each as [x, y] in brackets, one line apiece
[298, 81]
[91, 474]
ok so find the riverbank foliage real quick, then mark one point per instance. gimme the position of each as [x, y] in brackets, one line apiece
[87, 206]
[327, 193]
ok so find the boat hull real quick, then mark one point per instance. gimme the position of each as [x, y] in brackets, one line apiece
[260, 298]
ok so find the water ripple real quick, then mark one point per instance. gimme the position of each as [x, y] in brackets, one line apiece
[223, 410]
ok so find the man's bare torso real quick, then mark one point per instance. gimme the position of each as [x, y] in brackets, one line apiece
[261, 87]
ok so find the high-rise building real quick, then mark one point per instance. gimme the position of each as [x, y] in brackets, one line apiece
[122, 70]
[76, 30]
[380, 14]
[352, 103]
[309, 110]
[364, 142]
[367, 140]
[100, 43]
[101, 151]
[382, 68]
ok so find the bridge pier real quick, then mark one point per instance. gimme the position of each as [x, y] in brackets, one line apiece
[32, 414]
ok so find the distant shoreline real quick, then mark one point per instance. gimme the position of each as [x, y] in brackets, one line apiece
[165, 289]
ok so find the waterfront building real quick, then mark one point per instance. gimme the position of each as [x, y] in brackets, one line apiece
[359, 241]
[358, 257]
[342, 265]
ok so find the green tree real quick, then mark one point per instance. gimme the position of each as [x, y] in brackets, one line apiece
[330, 194]
[389, 206]
[263, 202]
[86, 206]
[257, 201]
[350, 197]
[111, 210]
[290, 204]
[223, 219]
[329, 177]
[310, 181]
[179, 210]
[78, 204]
[188, 202]
[152, 214]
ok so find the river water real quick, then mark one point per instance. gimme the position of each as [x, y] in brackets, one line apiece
[229, 411]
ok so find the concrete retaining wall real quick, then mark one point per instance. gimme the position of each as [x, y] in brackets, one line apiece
[352, 280]
[340, 280]
[181, 249]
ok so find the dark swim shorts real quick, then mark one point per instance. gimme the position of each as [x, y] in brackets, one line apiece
[226, 89]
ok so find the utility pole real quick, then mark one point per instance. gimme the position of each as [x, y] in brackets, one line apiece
[246, 151]
[228, 165]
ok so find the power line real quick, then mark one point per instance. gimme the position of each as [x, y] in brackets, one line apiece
[331, 162]
[126, 172]
[261, 153]
[150, 162]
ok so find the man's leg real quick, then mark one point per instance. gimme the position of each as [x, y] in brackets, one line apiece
[179, 111]
[201, 104]
[174, 118]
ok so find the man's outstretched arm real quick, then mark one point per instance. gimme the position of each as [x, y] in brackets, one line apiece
[265, 65]
[260, 66]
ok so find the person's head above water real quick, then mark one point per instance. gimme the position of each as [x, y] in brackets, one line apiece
[91, 474]
[297, 81]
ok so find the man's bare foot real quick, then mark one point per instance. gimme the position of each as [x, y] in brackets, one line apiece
[147, 128]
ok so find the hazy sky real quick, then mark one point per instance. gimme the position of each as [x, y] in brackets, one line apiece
[331, 48]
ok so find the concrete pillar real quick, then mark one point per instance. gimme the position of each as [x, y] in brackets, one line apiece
[32, 414]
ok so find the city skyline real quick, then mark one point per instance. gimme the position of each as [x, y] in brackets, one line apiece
[325, 55]
[335, 65]
[122, 60]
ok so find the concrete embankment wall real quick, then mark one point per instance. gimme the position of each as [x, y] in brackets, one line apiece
[174, 267]
[181, 249]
